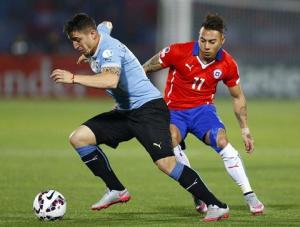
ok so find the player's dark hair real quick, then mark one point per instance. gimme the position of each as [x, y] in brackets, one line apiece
[79, 22]
[214, 22]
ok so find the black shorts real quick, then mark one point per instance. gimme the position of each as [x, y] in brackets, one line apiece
[148, 123]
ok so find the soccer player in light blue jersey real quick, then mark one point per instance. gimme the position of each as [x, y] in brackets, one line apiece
[140, 113]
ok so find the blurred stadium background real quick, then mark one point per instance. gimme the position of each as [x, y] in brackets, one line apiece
[36, 115]
[262, 35]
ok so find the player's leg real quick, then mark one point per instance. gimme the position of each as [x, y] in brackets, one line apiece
[85, 139]
[180, 154]
[233, 163]
[151, 127]
[216, 137]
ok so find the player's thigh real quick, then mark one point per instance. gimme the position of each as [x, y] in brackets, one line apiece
[179, 125]
[175, 134]
[204, 118]
[110, 128]
[151, 128]
[208, 126]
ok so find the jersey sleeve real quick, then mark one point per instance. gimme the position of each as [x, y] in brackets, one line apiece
[104, 27]
[167, 56]
[111, 57]
[232, 78]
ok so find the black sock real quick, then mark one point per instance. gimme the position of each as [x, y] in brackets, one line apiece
[99, 165]
[190, 180]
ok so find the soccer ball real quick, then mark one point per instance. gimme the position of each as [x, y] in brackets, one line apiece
[49, 205]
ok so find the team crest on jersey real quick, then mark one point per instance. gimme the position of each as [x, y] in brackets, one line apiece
[164, 51]
[107, 54]
[217, 73]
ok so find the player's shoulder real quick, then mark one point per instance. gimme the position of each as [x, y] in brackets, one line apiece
[108, 42]
[108, 48]
[183, 46]
[180, 49]
[106, 39]
[228, 58]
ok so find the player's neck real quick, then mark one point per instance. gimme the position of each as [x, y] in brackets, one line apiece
[206, 60]
[94, 49]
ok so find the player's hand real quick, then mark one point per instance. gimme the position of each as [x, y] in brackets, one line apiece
[248, 141]
[82, 59]
[62, 76]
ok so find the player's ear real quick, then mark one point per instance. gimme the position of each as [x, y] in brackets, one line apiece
[223, 39]
[94, 34]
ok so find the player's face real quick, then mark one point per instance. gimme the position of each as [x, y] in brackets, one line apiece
[210, 41]
[85, 41]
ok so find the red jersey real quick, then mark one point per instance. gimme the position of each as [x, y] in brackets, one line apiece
[190, 82]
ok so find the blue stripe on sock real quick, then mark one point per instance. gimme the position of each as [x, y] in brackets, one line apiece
[83, 151]
[177, 171]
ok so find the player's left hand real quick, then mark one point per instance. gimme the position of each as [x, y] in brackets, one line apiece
[62, 76]
[248, 141]
[82, 59]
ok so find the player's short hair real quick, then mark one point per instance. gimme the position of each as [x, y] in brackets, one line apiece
[79, 22]
[214, 22]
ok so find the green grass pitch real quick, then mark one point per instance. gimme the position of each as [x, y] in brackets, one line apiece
[35, 155]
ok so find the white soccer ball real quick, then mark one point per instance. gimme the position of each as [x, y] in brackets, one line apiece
[49, 205]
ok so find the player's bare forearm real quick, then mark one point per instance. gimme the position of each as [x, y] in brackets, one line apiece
[239, 105]
[102, 80]
[108, 78]
[240, 110]
[152, 65]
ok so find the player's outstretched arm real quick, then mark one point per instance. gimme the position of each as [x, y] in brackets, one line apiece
[152, 65]
[108, 78]
[240, 110]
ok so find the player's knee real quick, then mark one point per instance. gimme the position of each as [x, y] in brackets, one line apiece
[81, 137]
[222, 141]
[166, 164]
[218, 139]
[74, 139]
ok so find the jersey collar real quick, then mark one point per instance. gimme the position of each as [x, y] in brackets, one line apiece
[196, 50]
[98, 48]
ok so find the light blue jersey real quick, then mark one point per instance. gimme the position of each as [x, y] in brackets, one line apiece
[134, 88]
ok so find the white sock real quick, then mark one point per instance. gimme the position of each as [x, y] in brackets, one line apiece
[235, 168]
[180, 156]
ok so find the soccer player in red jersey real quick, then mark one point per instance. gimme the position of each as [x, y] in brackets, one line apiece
[195, 69]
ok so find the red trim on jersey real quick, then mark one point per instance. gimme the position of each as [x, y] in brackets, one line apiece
[192, 83]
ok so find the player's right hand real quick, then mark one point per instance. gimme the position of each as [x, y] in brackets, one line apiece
[62, 76]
